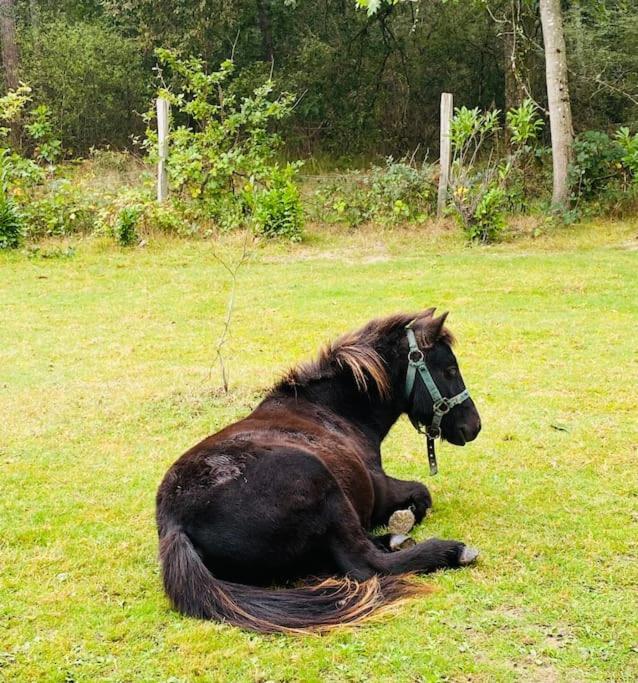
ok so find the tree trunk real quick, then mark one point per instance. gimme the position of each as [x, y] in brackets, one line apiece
[560, 112]
[10, 60]
[266, 30]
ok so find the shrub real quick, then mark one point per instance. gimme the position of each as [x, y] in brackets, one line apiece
[401, 185]
[64, 208]
[11, 221]
[47, 147]
[92, 79]
[167, 218]
[524, 125]
[481, 189]
[474, 188]
[11, 227]
[278, 211]
[488, 221]
[126, 226]
[221, 147]
[596, 163]
[19, 171]
[629, 148]
[395, 192]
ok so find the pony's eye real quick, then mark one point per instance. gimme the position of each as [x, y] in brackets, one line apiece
[451, 372]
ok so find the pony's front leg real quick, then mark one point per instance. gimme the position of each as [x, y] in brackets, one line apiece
[392, 542]
[393, 494]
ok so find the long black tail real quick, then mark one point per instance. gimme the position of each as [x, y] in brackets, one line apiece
[194, 591]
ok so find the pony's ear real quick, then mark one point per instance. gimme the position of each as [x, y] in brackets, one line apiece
[434, 327]
[427, 313]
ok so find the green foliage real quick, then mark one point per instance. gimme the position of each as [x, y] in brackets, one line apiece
[483, 186]
[20, 171]
[11, 225]
[20, 175]
[396, 192]
[169, 218]
[222, 146]
[12, 106]
[278, 211]
[40, 128]
[470, 128]
[629, 146]
[524, 125]
[126, 227]
[488, 223]
[596, 163]
[63, 208]
[402, 189]
[92, 79]
[476, 192]
[365, 82]
[602, 48]
[603, 174]
[11, 221]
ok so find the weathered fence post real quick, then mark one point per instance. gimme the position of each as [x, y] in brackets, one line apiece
[446, 151]
[162, 140]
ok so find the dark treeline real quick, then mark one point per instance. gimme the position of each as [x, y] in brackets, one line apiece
[366, 84]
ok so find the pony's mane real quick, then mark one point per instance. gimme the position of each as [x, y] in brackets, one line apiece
[358, 352]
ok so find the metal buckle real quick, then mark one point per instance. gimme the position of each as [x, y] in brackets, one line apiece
[442, 407]
[419, 358]
[433, 432]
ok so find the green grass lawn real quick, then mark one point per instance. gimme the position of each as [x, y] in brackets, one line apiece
[105, 379]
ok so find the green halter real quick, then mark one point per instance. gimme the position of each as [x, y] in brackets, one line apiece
[442, 405]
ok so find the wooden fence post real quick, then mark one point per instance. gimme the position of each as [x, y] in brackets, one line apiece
[446, 151]
[162, 139]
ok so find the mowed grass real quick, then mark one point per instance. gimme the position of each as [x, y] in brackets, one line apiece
[105, 379]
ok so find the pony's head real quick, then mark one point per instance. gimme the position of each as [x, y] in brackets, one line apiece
[434, 383]
[368, 371]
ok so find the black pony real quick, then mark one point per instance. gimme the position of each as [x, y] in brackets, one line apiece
[292, 490]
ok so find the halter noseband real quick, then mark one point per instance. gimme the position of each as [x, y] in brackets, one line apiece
[442, 405]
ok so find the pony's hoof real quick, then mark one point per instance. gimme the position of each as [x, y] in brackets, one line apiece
[468, 556]
[401, 542]
[401, 522]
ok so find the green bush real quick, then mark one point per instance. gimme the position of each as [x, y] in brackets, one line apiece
[402, 189]
[126, 226]
[482, 186]
[278, 211]
[11, 220]
[20, 172]
[11, 224]
[596, 164]
[398, 191]
[91, 78]
[488, 221]
[169, 218]
[222, 147]
[629, 146]
[64, 208]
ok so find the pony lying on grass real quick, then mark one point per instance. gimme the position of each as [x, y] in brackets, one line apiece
[292, 490]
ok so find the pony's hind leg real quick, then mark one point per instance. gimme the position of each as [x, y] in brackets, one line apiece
[355, 554]
[423, 558]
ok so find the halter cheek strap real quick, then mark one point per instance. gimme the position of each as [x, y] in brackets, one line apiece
[442, 405]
